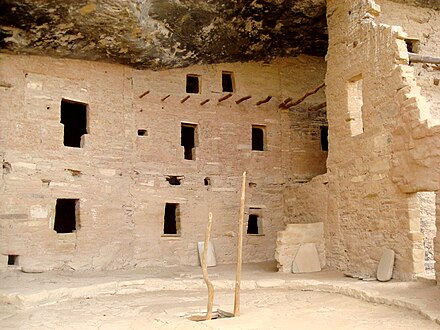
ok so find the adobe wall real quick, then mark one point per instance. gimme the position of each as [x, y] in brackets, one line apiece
[368, 164]
[120, 177]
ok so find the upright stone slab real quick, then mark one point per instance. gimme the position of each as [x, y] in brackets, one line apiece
[211, 259]
[306, 260]
[386, 265]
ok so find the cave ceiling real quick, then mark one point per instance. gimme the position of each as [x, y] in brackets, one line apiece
[160, 34]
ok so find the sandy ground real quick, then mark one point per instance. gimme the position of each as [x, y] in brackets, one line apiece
[261, 309]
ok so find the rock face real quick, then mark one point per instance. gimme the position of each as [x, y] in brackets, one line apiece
[160, 34]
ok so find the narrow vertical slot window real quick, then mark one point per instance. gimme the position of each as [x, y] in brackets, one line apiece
[258, 137]
[255, 222]
[354, 104]
[324, 138]
[171, 223]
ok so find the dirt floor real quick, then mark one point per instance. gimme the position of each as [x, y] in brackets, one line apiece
[262, 309]
[162, 298]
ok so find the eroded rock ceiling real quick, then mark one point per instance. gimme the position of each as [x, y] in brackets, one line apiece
[164, 33]
[160, 34]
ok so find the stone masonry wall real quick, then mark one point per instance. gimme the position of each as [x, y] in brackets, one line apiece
[119, 177]
[368, 211]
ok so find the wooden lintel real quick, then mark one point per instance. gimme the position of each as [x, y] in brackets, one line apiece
[227, 96]
[283, 104]
[243, 99]
[185, 98]
[164, 98]
[267, 99]
[306, 95]
[204, 102]
[143, 94]
[418, 58]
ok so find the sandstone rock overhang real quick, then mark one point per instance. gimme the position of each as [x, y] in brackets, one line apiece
[160, 34]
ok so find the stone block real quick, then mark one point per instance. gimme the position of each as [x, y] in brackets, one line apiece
[306, 259]
[386, 265]
[211, 259]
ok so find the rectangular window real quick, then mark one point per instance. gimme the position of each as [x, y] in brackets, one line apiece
[227, 82]
[255, 222]
[258, 137]
[324, 138]
[188, 140]
[74, 119]
[12, 260]
[142, 132]
[412, 45]
[66, 215]
[192, 84]
[171, 219]
[355, 103]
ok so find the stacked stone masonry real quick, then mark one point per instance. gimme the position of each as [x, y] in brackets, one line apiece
[120, 176]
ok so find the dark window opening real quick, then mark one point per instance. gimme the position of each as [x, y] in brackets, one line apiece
[207, 181]
[66, 215]
[192, 84]
[188, 140]
[171, 224]
[227, 82]
[412, 45]
[142, 132]
[174, 180]
[253, 225]
[324, 138]
[74, 118]
[12, 260]
[257, 138]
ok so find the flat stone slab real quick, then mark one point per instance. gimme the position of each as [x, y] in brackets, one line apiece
[211, 259]
[306, 259]
[386, 265]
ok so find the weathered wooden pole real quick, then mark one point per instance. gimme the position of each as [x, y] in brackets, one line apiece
[418, 58]
[239, 248]
[205, 268]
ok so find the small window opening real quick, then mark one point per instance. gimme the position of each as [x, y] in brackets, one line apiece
[207, 181]
[324, 138]
[74, 119]
[227, 82]
[192, 84]
[258, 138]
[66, 215]
[355, 103]
[412, 45]
[188, 140]
[142, 132]
[12, 260]
[255, 222]
[171, 224]
[174, 180]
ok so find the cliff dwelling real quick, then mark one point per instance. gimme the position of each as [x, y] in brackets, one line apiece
[123, 124]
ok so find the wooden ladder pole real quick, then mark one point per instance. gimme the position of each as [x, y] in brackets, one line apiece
[205, 268]
[239, 249]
